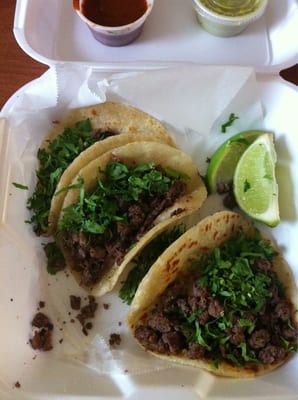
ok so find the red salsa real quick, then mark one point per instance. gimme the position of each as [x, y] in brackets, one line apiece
[113, 12]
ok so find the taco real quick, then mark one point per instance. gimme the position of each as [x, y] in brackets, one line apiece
[83, 135]
[121, 201]
[220, 298]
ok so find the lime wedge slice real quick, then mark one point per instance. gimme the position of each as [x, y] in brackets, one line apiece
[223, 162]
[255, 185]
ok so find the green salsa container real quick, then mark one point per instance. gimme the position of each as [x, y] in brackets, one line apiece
[228, 17]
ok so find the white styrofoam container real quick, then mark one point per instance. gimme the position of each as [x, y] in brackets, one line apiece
[50, 32]
[63, 374]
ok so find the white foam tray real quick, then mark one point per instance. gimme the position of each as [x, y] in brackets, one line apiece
[52, 376]
[51, 32]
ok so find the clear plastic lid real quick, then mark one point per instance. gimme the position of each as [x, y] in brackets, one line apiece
[232, 10]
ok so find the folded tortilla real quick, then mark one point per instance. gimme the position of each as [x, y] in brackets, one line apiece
[133, 154]
[126, 123]
[114, 117]
[173, 266]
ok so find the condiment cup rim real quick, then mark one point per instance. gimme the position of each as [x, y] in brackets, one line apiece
[216, 17]
[116, 29]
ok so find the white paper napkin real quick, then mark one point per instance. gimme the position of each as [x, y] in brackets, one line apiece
[192, 101]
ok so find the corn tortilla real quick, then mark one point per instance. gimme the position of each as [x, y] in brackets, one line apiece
[127, 123]
[208, 234]
[133, 154]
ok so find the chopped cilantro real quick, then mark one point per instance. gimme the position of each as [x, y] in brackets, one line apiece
[52, 163]
[230, 275]
[232, 118]
[20, 186]
[289, 347]
[248, 323]
[145, 260]
[100, 208]
[55, 258]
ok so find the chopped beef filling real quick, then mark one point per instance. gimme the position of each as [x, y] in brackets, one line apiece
[115, 339]
[86, 313]
[183, 317]
[41, 304]
[93, 253]
[226, 189]
[75, 302]
[98, 134]
[42, 338]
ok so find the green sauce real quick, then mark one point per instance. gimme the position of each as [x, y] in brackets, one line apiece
[232, 8]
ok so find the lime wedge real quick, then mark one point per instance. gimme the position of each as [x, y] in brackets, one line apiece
[255, 185]
[223, 162]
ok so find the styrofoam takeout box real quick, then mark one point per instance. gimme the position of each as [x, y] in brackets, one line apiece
[50, 32]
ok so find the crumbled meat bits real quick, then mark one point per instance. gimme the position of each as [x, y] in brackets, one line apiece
[226, 189]
[42, 337]
[115, 339]
[75, 302]
[41, 304]
[87, 312]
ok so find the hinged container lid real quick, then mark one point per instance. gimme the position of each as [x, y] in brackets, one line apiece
[51, 32]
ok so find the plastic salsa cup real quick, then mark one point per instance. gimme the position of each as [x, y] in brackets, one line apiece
[114, 35]
[228, 17]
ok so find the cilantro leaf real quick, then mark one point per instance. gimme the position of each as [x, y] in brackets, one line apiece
[20, 186]
[55, 258]
[101, 207]
[232, 118]
[235, 278]
[145, 260]
[52, 163]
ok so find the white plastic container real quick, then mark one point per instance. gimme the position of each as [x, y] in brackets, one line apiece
[52, 33]
[221, 20]
[118, 35]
